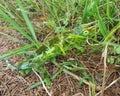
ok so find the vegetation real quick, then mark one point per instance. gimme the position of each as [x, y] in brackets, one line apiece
[67, 27]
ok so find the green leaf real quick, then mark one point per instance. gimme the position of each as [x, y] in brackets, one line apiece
[77, 68]
[34, 85]
[25, 65]
[67, 63]
[9, 65]
[81, 82]
[117, 50]
[50, 50]
[47, 81]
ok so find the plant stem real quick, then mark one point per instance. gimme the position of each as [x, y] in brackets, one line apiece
[42, 82]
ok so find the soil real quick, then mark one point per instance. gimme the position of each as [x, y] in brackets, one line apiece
[14, 84]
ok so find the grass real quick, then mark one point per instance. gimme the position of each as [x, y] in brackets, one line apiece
[74, 25]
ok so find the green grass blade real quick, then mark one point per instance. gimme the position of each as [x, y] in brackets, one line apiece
[101, 24]
[108, 8]
[102, 27]
[27, 19]
[15, 25]
[112, 32]
[85, 13]
[57, 73]
[12, 38]
[15, 51]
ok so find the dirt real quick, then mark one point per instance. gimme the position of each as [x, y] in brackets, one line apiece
[14, 84]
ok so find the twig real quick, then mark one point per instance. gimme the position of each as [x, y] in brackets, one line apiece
[78, 94]
[70, 86]
[46, 37]
[105, 66]
[89, 90]
[42, 82]
[109, 86]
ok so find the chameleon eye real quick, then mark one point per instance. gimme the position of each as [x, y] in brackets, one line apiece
[86, 32]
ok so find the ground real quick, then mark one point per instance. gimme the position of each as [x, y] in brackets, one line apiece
[14, 84]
